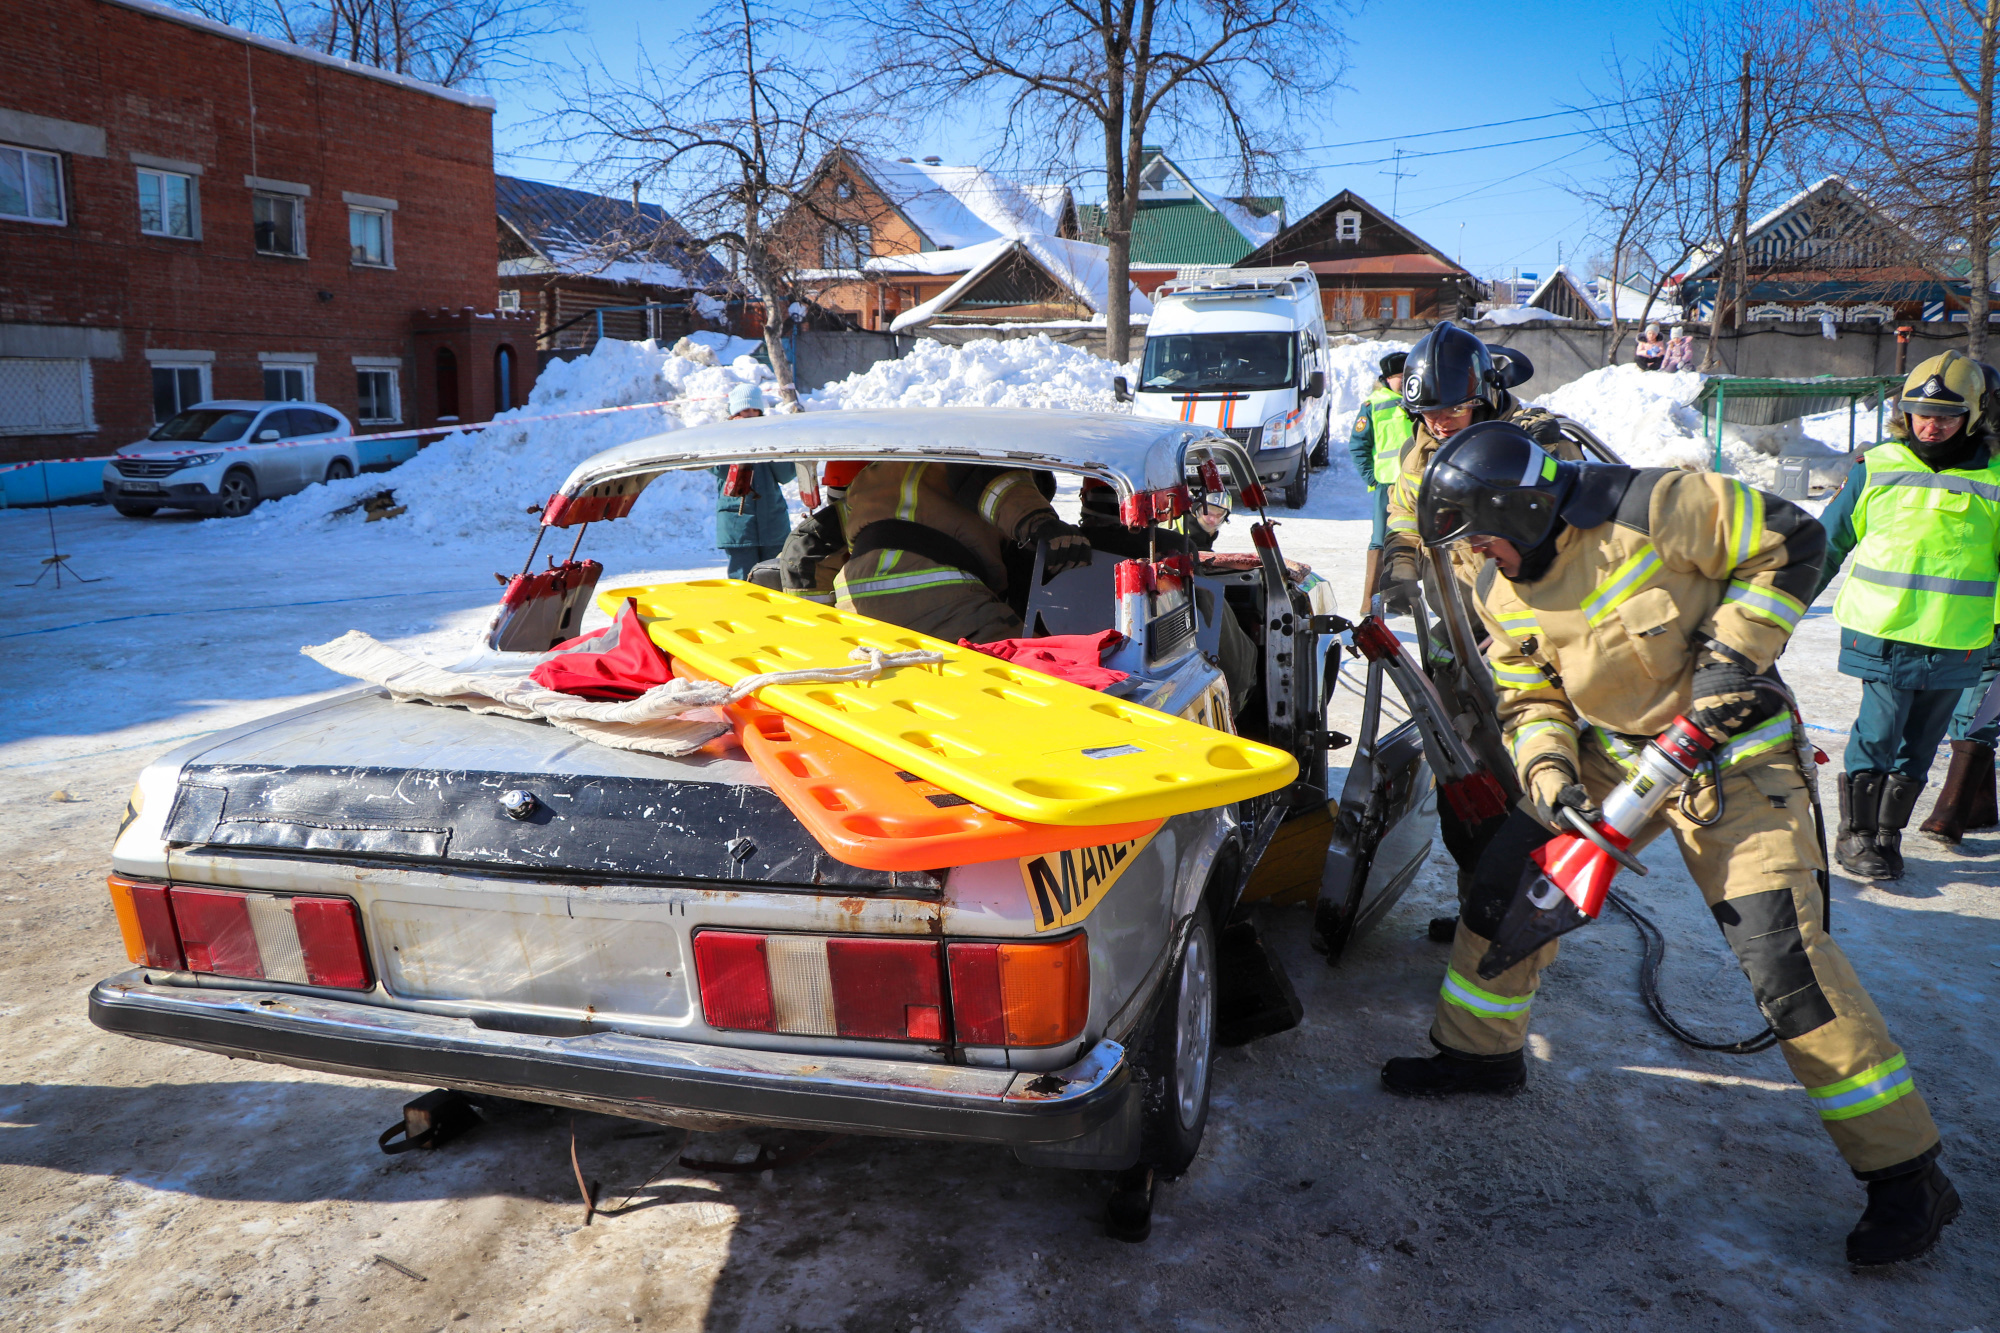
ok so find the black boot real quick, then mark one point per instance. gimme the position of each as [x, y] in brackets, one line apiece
[1899, 798]
[1947, 821]
[1860, 801]
[1450, 1072]
[1903, 1218]
[1982, 811]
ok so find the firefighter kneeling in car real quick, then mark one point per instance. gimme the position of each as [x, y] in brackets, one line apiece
[924, 546]
[1618, 598]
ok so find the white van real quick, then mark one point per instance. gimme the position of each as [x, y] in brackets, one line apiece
[1243, 349]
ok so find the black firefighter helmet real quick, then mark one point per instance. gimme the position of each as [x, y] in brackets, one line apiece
[1450, 368]
[1492, 480]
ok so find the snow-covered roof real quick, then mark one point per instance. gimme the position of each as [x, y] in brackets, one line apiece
[1701, 261]
[1133, 453]
[594, 236]
[1084, 269]
[956, 207]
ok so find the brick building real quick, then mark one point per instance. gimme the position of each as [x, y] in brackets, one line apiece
[189, 211]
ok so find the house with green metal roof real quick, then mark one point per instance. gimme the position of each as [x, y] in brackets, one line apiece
[1179, 224]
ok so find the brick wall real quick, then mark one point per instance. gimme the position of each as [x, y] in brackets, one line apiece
[107, 81]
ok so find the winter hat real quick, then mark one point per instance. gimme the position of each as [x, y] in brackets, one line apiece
[1393, 363]
[744, 397]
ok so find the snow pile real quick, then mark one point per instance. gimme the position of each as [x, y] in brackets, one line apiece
[477, 483]
[1351, 371]
[1644, 415]
[1011, 372]
[1518, 314]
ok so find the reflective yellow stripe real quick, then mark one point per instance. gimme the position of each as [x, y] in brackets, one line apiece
[1746, 521]
[906, 507]
[1781, 607]
[1624, 581]
[1509, 677]
[989, 503]
[1402, 524]
[1520, 624]
[1761, 739]
[1526, 730]
[1457, 990]
[1869, 1090]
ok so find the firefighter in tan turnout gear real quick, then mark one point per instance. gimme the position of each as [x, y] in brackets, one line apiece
[1618, 598]
[925, 546]
[1451, 380]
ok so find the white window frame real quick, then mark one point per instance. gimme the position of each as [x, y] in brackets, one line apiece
[193, 233]
[203, 369]
[388, 221]
[298, 205]
[87, 387]
[303, 362]
[1347, 225]
[379, 365]
[61, 219]
[510, 298]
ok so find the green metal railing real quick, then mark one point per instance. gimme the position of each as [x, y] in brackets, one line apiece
[1766, 402]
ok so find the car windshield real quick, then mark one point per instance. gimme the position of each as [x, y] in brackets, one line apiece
[209, 425]
[1205, 361]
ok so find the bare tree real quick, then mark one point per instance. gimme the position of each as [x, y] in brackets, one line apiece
[449, 42]
[1923, 86]
[738, 134]
[1081, 77]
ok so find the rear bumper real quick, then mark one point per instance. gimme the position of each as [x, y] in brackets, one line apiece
[641, 1077]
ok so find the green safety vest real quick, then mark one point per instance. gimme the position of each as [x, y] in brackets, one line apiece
[1391, 428]
[1924, 570]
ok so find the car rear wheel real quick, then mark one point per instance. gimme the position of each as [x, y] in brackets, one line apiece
[339, 470]
[238, 494]
[1295, 494]
[135, 511]
[1178, 1056]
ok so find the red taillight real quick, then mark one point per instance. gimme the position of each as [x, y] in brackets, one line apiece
[1028, 994]
[147, 922]
[1034, 994]
[216, 934]
[255, 936]
[329, 931]
[735, 984]
[886, 988]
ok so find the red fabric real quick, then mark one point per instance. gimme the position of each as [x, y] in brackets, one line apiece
[841, 472]
[1070, 657]
[620, 662]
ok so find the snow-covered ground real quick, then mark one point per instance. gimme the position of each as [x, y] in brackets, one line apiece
[1677, 1190]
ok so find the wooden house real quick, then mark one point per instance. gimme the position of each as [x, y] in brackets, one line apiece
[1371, 268]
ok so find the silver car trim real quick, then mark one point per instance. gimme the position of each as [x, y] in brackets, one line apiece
[640, 1077]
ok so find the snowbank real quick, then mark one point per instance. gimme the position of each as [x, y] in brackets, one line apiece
[1010, 372]
[1642, 414]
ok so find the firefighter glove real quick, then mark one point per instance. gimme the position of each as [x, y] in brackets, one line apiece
[1727, 701]
[1552, 784]
[1068, 547]
[1399, 581]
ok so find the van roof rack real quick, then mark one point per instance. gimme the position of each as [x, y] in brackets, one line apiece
[1220, 282]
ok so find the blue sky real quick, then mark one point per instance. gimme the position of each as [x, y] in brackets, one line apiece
[1411, 69]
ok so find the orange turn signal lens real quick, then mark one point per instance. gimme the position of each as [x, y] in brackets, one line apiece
[146, 921]
[1020, 994]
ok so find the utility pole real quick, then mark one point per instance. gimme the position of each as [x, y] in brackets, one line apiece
[1396, 190]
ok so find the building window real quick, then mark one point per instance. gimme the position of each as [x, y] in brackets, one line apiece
[845, 247]
[503, 378]
[166, 204]
[177, 388]
[369, 238]
[1403, 306]
[31, 185]
[376, 390]
[45, 396]
[280, 224]
[510, 299]
[288, 384]
[1347, 226]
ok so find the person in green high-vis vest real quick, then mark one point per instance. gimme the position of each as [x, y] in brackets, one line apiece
[1381, 431]
[1920, 514]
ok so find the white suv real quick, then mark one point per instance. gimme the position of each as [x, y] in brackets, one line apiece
[223, 457]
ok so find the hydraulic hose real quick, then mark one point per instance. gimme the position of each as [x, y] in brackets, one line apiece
[1653, 945]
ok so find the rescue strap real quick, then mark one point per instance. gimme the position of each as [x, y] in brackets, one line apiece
[941, 548]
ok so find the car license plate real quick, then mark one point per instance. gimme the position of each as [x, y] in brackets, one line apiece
[141, 488]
